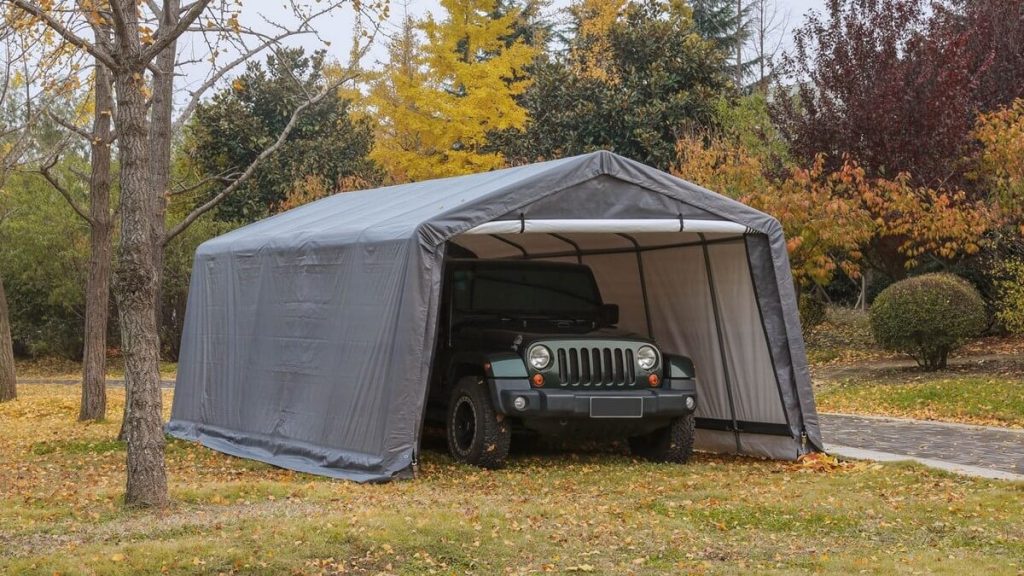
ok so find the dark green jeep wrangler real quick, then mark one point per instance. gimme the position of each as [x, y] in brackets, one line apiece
[530, 346]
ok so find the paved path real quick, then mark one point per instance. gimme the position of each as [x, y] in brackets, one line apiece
[978, 450]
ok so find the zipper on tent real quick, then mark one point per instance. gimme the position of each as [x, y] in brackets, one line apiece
[721, 341]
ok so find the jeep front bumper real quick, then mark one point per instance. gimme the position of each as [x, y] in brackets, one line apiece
[676, 397]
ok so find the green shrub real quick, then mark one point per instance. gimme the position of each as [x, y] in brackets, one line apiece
[927, 317]
[1010, 296]
[812, 311]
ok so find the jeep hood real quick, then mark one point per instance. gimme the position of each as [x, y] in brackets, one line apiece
[506, 336]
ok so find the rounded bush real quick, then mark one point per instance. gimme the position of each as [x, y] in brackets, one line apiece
[928, 317]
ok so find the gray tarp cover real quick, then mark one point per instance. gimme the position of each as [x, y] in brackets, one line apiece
[309, 336]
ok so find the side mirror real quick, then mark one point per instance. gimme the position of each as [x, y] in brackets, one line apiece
[608, 314]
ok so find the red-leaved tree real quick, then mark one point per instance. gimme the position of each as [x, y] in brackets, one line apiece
[887, 83]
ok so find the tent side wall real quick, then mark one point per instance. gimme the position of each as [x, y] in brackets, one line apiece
[287, 352]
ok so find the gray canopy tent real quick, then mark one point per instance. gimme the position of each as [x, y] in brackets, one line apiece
[309, 336]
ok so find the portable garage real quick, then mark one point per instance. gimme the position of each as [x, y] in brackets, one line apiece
[309, 336]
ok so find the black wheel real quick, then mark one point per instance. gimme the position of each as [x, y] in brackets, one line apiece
[477, 435]
[673, 443]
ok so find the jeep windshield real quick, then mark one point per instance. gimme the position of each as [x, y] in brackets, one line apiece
[525, 291]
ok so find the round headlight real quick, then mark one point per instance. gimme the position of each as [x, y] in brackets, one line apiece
[540, 357]
[647, 357]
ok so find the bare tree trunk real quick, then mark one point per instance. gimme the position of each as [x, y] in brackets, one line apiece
[739, 44]
[761, 34]
[97, 290]
[160, 136]
[136, 291]
[8, 387]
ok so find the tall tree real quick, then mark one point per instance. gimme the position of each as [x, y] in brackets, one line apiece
[130, 53]
[438, 99]
[8, 384]
[31, 75]
[230, 131]
[101, 228]
[994, 33]
[883, 82]
[727, 24]
[767, 34]
[632, 81]
[220, 28]
[99, 218]
[8, 380]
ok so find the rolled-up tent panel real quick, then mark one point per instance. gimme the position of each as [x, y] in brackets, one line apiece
[605, 226]
[309, 336]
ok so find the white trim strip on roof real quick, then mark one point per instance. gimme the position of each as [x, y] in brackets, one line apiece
[613, 226]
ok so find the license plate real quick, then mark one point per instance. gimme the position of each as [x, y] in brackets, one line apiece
[616, 407]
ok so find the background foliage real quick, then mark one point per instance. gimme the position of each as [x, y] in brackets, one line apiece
[889, 141]
[229, 131]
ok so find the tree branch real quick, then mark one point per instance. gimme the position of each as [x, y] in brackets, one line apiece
[164, 40]
[225, 176]
[197, 94]
[45, 171]
[67, 34]
[69, 125]
[281, 138]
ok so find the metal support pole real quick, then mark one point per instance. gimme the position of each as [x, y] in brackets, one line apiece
[643, 283]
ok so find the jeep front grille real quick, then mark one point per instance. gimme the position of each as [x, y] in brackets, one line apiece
[584, 366]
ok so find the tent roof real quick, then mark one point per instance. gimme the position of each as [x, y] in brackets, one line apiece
[397, 212]
[309, 337]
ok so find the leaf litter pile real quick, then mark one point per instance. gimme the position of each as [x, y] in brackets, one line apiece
[561, 513]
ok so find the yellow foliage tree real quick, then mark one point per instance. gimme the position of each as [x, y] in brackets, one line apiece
[446, 85]
[1001, 160]
[595, 19]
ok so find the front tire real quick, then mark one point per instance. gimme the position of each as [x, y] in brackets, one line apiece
[673, 443]
[477, 435]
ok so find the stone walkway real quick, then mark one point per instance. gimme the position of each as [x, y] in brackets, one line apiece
[978, 450]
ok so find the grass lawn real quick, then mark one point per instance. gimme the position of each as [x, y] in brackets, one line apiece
[989, 398]
[984, 385]
[60, 484]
